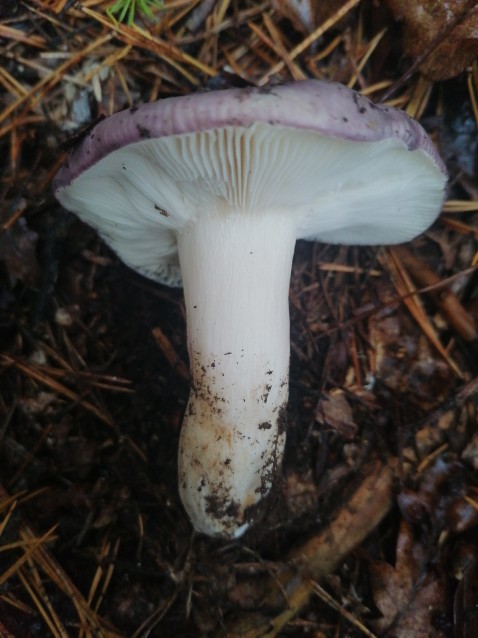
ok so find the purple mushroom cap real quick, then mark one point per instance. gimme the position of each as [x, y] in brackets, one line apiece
[365, 186]
[328, 108]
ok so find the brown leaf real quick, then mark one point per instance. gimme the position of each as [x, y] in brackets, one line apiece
[408, 594]
[404, 362]
[440, 502]
[425, 21]
[334, 411]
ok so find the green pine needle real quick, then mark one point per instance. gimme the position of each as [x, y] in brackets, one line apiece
[125, 10]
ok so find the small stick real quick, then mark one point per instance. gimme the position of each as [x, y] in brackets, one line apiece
[446, 300]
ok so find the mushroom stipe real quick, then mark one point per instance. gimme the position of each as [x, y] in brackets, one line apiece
[210, 191]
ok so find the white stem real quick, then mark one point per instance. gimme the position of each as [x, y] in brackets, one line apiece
[236, 273]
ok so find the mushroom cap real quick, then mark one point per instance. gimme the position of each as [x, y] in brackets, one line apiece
[347, 170]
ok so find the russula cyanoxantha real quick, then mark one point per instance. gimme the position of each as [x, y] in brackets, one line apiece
[211, 191]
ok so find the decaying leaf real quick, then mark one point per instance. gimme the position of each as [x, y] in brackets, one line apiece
[334, 411]
[440, 500]
[411, 592]
[403, 362]
[409, 595]
[425, 21]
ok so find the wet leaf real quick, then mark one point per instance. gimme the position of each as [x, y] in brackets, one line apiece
[425, 21]
[334, 411]
[408, 594]
[405, 363]
[441, 501]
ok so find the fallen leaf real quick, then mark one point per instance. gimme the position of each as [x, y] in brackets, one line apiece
[409, 594]
[440, 502]
[405, 362]
[334, 411]
[425, 21]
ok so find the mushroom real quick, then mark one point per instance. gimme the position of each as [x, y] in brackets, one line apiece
[211, 191]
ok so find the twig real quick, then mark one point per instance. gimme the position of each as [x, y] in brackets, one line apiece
[322, 553]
